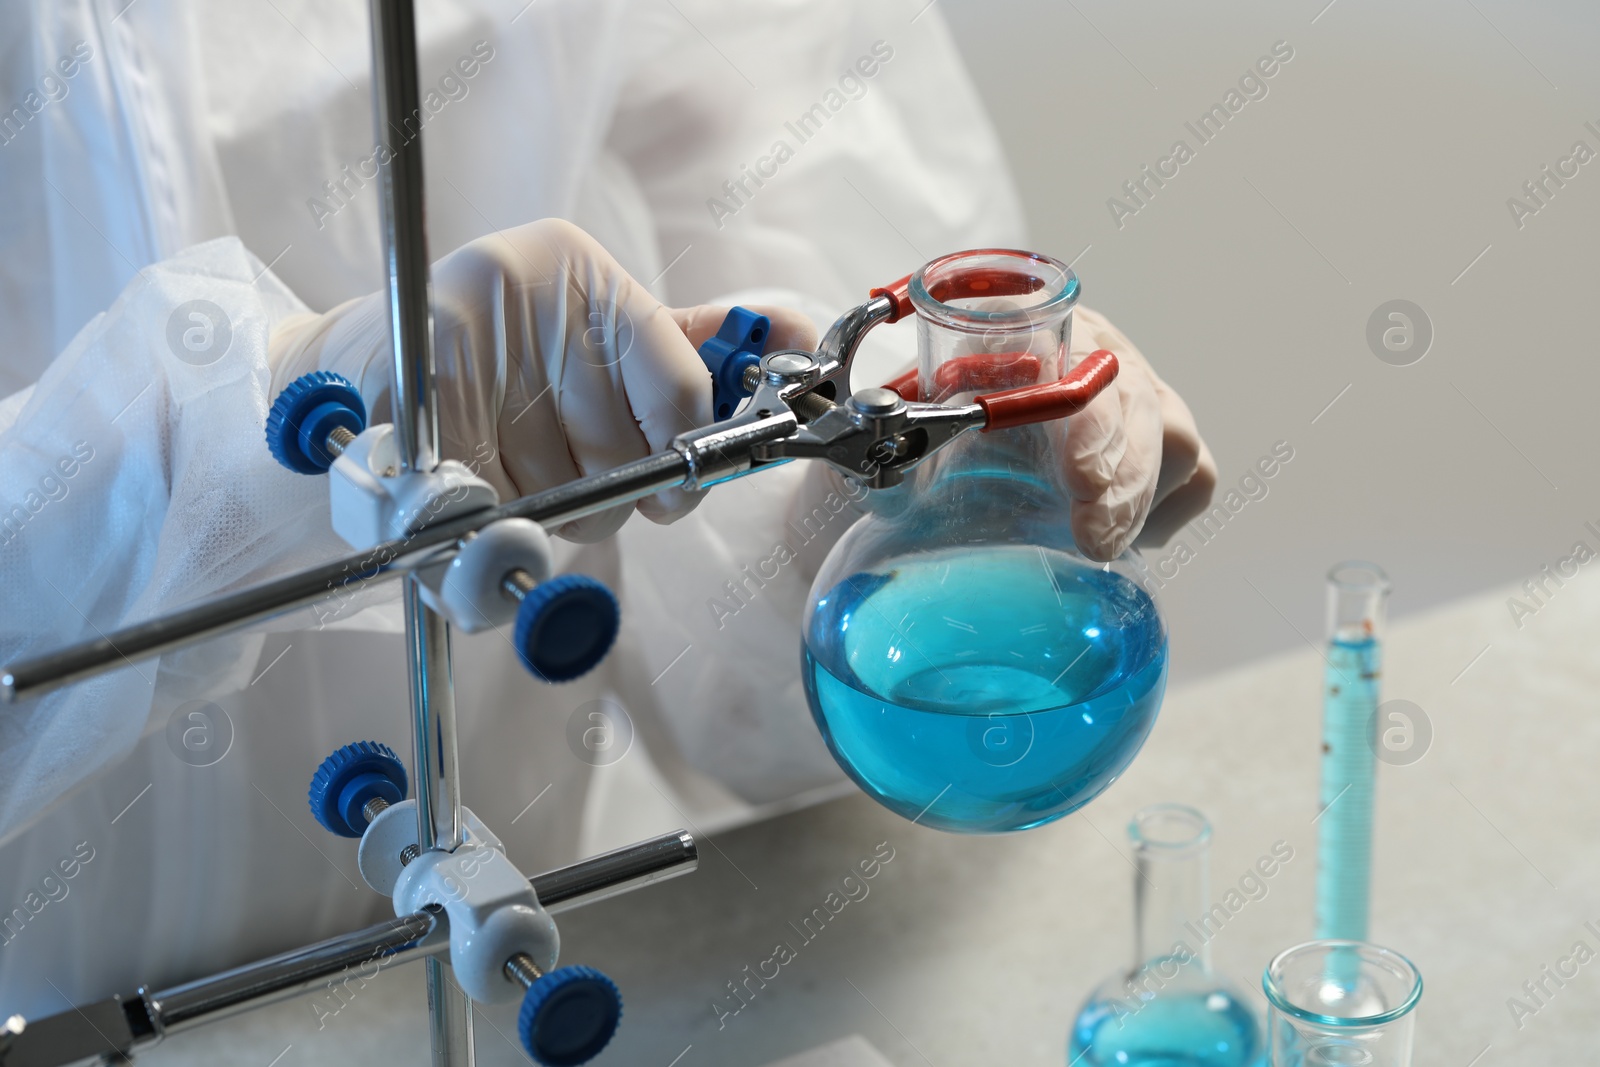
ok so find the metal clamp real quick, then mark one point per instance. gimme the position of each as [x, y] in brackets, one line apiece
[877, 435]
[374, 499]
[494, 914]
[792, 414]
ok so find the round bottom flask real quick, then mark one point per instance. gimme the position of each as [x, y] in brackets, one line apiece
[967, 666]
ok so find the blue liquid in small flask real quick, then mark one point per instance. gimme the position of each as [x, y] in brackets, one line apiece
[966, 665]
[1168, 1008]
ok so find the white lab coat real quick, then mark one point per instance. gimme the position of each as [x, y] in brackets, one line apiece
[181, 124]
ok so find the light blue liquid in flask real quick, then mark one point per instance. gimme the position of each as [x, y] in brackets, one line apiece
[1194, 1028]
[1169, 1008]
[967, 666]
[985, 689]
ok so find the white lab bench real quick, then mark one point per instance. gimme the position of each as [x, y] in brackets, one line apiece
[976, 950]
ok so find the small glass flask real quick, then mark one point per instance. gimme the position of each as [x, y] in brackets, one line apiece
[1169, 1008]
[968, 667]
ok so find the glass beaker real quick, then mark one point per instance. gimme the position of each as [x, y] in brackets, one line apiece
[1169, 1008]
[967, 666]
[1357, 593]
[1365, 1018]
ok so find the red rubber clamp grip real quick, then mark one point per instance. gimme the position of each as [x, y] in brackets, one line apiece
[969, 374]
[907, 385]
[900, 294]
[1052, 400]
[986, 370]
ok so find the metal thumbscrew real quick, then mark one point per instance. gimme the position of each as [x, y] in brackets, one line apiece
[339, 440]
[568, 1015]
[809, 406]
[565, 625]
[372, 809]
[354, 785]
[313, 421]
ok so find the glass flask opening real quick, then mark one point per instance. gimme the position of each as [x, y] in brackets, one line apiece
[1169, 830]
[994, 288]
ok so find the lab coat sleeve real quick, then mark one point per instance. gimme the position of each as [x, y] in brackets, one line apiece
[135, 478]
[824, 148]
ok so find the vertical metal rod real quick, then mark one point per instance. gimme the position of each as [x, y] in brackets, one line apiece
[398, 121]
[449, 1015]
[437, 785]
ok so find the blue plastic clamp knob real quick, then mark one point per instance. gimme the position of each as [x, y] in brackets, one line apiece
[736, 348]
[305, 413]
[565, 627]
[568, 1016]
[349, 778]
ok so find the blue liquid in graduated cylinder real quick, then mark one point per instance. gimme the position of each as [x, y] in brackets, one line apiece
[985, 689]
[1349, 773]
[1190, 1028]
[1349, 766]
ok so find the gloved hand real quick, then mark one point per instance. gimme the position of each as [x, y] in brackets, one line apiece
[552, 363]
[1135, 464]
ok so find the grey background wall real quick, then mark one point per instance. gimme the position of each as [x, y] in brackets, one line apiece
[1377, 167]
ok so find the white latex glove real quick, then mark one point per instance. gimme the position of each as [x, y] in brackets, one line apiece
[552, 363]
[1135, 464]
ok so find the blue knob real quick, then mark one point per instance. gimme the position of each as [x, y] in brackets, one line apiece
[305, 413]
[736, 347]
[568, 1016]
[565, 627]
[348, 779]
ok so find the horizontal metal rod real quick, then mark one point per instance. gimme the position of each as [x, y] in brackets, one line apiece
[333, 582]
[620, 871]
[340, 964]
[410, 937]
[357, 957]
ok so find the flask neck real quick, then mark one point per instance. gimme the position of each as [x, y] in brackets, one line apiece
[991, 319]
[987, 321]
[1171, 890]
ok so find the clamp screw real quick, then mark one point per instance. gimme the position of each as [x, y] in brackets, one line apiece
[354, 784]
[568, 1015]
[875, 401]
[731, 355]
[314, 420]
[790, 363]
[565, 626]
